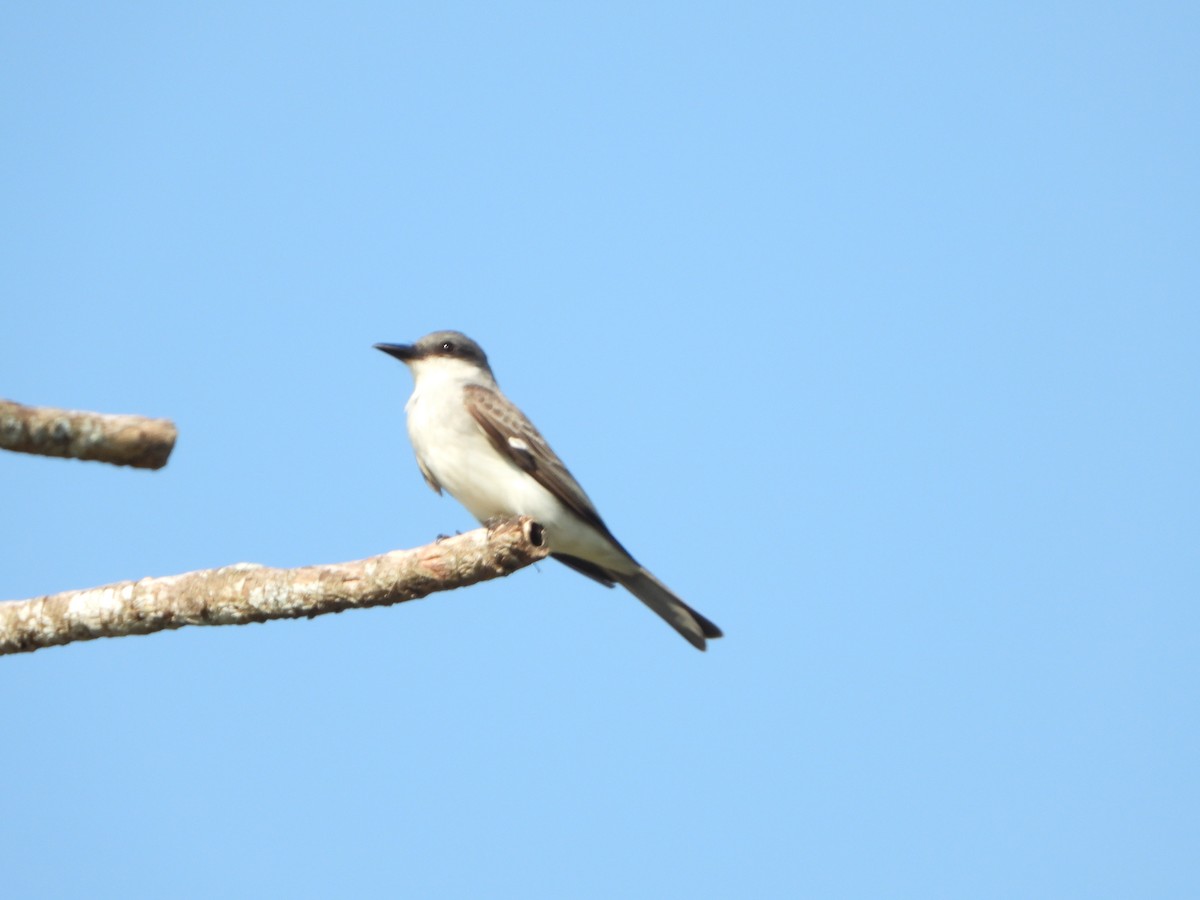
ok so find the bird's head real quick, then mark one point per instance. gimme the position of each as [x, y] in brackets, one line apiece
[448, 354]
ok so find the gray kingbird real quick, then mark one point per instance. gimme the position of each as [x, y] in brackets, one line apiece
[473, 442]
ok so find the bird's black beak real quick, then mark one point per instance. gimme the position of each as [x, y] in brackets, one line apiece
[403, 352]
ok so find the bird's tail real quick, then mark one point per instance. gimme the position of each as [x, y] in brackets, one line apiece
[656, 595]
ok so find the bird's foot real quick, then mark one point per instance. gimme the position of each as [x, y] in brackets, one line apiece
[494, 522]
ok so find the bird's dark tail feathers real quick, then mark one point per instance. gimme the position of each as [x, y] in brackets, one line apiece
[656, 595]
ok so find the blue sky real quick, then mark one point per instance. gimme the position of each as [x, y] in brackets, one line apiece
[872, 330]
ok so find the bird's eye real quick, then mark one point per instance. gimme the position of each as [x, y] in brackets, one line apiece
[447, 346]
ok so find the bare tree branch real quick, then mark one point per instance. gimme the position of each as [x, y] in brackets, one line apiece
[242, 593]
[120, 440]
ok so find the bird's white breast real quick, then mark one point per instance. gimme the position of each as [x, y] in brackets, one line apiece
[458, 454]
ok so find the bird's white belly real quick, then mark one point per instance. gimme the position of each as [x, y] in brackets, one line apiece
[458, 454]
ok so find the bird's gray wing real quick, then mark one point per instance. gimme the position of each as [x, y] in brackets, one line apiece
[516, 437]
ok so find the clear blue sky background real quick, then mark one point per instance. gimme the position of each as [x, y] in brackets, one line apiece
[874, 331]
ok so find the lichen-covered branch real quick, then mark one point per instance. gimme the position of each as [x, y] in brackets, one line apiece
[120, 440]
[242, 593]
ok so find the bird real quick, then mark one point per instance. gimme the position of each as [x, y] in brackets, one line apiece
[474, 443]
